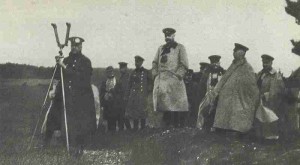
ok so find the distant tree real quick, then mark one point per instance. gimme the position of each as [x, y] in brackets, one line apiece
[293, 9]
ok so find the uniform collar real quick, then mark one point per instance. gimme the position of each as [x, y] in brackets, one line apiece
[272, 71]
[139, 69]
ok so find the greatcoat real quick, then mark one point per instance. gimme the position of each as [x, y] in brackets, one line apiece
[80, 106]
[169, 92]
[238, 98]
[140, 86]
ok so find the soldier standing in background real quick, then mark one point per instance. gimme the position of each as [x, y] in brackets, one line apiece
[108, 99]
[215, 74]
[192, 95]
[122, 91]
[271, 88]
[140, 86]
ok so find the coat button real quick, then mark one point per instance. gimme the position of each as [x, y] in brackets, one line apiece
[73, 65]
[69, 86]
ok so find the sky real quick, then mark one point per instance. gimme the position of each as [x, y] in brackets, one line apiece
[117, 30]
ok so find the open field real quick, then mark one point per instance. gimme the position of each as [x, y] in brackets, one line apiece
[20, 106]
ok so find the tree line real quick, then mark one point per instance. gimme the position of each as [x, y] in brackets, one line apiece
[24, 71]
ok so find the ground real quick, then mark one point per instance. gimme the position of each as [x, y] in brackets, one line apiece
[20, 105]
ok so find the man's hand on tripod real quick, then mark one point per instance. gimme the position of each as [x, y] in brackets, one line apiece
[59, 61]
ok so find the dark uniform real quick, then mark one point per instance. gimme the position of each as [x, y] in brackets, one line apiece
[197, 75]
[215, 74]
[192, 95]
[108, 99]
[140, 87]
[80, 107]
[122, 92]
[201, 79]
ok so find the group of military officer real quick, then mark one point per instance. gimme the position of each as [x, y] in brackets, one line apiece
[124, 99]
[177, 93]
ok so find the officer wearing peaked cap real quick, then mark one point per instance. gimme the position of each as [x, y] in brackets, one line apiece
[237, 94]
[122, 92]
[215, 74]
[271, 87]
[240, 47]
[139, 90]
[81, 115]
[191, 86]
[168, 68]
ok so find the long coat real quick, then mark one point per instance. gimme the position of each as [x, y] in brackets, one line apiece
[238, 98]
[140, 86]
[122, 93]
[169, 93]
[271, 89]
[80, 106]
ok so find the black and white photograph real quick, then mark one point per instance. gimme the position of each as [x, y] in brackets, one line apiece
[150, 82]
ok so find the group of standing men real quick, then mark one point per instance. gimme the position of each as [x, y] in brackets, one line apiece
[125, 99]
[177, 92]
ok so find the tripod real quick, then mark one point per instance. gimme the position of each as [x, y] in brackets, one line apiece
[61, 46]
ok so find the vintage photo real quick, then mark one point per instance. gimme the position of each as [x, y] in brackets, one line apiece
[135, 82]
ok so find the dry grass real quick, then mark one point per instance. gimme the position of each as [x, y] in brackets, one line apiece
[20, 105]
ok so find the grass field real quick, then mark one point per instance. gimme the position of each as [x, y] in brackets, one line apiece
[20, 106]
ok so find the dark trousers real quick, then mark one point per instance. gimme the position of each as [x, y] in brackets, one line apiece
[209, 120]
[136, 124]
[112, 123]
[123, 122]
[176, 119]
[54, 120]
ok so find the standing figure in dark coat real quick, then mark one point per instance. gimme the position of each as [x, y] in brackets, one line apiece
[201, 79]
[198, 75]
[108, 99]
[122, 92]
[80, 107]
[191, 91]
[215, 74]
[140, 86]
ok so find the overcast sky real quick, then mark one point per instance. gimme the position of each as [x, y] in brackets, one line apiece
[117, 30]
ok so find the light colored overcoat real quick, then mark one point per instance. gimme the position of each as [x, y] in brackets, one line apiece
[238, 98]
[169, 93]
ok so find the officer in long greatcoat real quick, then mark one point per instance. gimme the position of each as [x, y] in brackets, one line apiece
[80, 107]
[168, 68]
[140, 87]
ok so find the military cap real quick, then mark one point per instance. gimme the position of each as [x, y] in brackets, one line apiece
[240, 47]
[139, 58]
[168, 31]
[214, 58]
[76, 40]
[266, 57]
[190, 71]
[122, 64]
[203, 63]
[109, 68]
